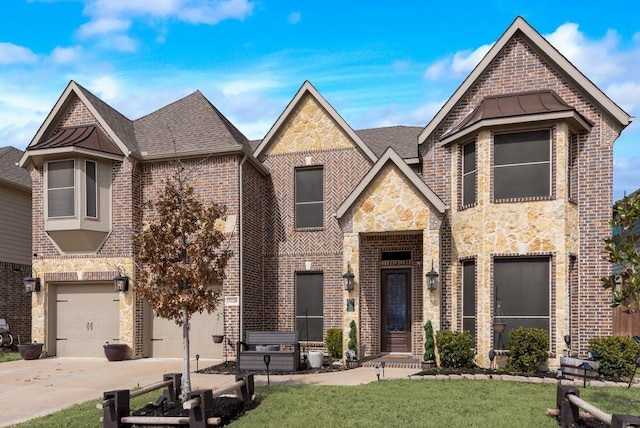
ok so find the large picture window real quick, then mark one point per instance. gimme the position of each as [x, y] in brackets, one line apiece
[469, 297]
[521, 294]
[309, 201]
[469, 174]
[61, 188]
[309, 306]
[522, 164]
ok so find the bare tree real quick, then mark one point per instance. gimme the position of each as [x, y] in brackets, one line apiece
[180, 258]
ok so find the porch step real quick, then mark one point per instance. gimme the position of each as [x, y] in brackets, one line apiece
[396, 362]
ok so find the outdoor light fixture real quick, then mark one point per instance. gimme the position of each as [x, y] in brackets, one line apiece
[593, 355]
[121, 282]
[378, 372]
[31, 284]
[567, 341]
[432, 278]
[348, 278]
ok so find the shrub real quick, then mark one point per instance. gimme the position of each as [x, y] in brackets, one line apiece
[455, 348]
[429, 348]
[617, 355]
[528, 349]
[333, 340]
[353, 340]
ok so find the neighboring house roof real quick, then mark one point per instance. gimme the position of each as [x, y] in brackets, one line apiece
[86, 137]
[191, 125]
[518, 108]
[10, 173]
[390, 156]
[551, 54]
[307, 88]
[403, 140]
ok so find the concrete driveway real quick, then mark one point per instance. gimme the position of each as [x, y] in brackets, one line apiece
[38, 387]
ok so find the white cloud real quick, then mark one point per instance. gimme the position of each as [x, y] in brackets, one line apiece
[294, 18]
[626, 94]
[241, 86]
[62, 55]
[626, 175]
[459, 64]
[103, 26]
[437, 70]
[14, 54]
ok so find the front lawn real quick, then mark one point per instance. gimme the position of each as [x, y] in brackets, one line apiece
[424, 403]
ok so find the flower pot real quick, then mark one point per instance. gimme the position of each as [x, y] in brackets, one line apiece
[217, 338]
[30, 351]
[499, 327]
[316, 358]
[115, 351]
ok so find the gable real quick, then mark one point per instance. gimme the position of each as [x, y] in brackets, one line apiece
[390, 203]
[309, 128]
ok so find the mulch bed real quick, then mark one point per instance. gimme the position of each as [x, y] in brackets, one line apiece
[229, 368]
[227, 409]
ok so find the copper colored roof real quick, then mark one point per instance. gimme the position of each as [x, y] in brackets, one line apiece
[87, 137]
[512, 105]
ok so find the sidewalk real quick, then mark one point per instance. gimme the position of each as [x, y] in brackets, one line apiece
[38, 387]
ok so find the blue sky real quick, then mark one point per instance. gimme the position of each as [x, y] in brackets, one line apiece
[378, 63]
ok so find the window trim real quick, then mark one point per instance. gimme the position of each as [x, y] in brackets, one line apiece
[320, 202]
[49, 188]
[551, 144]
[463, 263]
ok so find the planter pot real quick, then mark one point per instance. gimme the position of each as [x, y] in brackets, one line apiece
[499, 327]
[217, 338]
[316, 358]
[428, 365]
[115, 351]
[30, 351]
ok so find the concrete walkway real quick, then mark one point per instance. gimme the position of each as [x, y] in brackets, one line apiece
[29, 389]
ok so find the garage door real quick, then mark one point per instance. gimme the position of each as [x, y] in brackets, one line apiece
[87, 316]
[166, 338]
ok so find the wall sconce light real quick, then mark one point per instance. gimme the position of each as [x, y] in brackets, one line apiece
[432, 278]
[31, 285]
[492, 356]
[348, 278]
[121, 282]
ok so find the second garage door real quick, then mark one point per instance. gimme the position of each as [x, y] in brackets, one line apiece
[87, 316]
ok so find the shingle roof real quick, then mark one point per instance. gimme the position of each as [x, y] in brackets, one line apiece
[189, 125]
[9, 171]
[402, 139]
[122, 126]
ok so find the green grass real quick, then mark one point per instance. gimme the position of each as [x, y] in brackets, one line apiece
[406, 403]
[9, 356]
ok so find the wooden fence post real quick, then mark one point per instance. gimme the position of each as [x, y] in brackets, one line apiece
[624, 421]
[568, 411]
[198, 415]
[113, 413]
[173, 391]
[247, 389]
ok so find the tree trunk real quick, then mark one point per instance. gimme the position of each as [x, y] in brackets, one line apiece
[186, 378]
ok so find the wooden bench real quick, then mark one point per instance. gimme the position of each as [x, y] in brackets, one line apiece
[283, 349]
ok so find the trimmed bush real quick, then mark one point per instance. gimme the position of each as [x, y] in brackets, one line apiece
[617, 355]
[353, 340]
[429, 345]
[528, 349]
[455, 348]
[333, 340]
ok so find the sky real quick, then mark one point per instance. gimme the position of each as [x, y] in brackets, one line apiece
[378, 63]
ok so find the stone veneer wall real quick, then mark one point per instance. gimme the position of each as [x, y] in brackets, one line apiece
[593, 196]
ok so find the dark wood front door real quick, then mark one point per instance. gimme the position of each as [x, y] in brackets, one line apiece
[396, 310]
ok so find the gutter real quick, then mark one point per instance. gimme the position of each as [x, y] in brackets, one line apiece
[240, 238]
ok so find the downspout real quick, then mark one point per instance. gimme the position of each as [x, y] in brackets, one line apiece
[240, 237]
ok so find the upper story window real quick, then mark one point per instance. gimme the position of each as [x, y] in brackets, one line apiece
[309, 202]
[522, 165]
[91, 188]
[469, 174]
[61, 188]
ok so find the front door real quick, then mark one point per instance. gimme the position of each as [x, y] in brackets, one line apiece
[396, 310]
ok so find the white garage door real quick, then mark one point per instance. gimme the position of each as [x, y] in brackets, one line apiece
[166, 336]
[87, 316]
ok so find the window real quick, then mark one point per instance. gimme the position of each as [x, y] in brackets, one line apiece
[61, 188]
[522, 165]
[572, 170]
[469, 297]
[522, 289]
[309, 306]
[91, 189]
[469, 174]
[309, 203]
